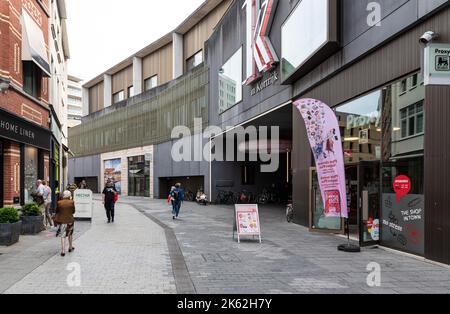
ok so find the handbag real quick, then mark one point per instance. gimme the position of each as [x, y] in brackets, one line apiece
[116, 197]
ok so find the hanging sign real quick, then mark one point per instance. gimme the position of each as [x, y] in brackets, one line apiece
[325, 138]
[437, 64]
[247, 221]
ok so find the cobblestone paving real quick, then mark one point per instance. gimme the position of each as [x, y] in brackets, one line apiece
[290, 259]
[130, 256]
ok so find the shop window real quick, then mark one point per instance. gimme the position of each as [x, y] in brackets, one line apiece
[32, 77]
[194, 61]
[151, 82]
[230, 82]
[118, 97]
[31, 172]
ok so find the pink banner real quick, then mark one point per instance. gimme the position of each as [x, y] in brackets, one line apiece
[325, 139]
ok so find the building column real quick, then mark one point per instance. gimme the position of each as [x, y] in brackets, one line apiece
[178, 52]
[85, 96]
[107, 92]
[137, 75]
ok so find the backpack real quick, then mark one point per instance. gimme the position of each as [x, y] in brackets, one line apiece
[176, 195]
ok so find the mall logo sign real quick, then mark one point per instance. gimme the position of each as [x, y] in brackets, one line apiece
[261, 56]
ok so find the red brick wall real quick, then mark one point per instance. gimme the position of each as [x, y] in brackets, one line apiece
[11, 177]
[11, 46]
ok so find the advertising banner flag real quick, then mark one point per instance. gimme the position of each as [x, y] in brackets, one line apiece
[325, 138]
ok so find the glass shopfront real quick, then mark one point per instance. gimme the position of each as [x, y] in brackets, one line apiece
[138, 176]
[230, 82]
[383, 143]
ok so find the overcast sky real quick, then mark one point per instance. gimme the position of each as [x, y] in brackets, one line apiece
[104, 32]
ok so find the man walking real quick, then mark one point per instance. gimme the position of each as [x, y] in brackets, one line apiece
[109, 193]
[178, 198]
[47, 196]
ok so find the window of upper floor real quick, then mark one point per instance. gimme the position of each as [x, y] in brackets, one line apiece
[118, 97]
[32, 77]
[151, 82]
[194, 61]
[130, 91]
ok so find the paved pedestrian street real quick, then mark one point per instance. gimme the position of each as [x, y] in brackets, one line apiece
[146, 251]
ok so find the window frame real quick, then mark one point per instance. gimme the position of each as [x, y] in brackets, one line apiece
[149, 79]
[122, 92]
[200, 52]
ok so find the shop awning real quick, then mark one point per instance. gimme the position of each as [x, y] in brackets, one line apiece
[33, 44]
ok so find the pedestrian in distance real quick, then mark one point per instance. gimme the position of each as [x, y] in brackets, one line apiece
[178, 198]
[47, 196]
[170, 199]
[110, 197]
[65, 220]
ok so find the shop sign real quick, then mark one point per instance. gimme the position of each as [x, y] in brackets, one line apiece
[325, 139]
[402, 187]
[437, 64]
[247, 221]
[261, 56]
[265, 83]
[19, 130]
[83, 204]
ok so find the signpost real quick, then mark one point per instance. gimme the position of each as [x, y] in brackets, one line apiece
[83, 204]
[246, 222]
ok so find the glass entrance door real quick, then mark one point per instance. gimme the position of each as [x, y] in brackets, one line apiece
[369, 189]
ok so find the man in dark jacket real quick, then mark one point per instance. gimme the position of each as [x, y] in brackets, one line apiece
[109, 193]
[178, 198]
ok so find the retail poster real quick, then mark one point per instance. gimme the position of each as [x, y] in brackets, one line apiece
[325, 139]
[113, 172]
[247, 221]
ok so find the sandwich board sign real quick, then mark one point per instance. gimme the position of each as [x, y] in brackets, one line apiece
[83, 204]
[246, 222]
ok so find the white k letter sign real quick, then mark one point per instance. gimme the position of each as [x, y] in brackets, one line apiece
[261, 55]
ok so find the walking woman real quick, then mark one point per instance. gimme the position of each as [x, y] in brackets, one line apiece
[109, 200]
[65, 221]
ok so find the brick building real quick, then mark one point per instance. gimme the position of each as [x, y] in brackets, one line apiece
[24, 98]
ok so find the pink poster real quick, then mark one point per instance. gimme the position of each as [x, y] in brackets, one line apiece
[325, 139]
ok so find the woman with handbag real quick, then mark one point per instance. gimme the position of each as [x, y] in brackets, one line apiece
[65, 221]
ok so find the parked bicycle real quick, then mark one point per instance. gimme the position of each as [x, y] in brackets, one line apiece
[226, 198]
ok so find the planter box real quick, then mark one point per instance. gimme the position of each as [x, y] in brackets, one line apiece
[10, 233]
[32, 224]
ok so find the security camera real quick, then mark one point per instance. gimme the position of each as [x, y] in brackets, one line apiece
[4, 87]
[428, 37]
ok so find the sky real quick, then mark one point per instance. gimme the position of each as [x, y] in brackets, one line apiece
[104, 32]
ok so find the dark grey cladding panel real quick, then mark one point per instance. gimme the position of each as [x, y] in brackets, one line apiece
[88, 166]
[354, 16]
[428, 6]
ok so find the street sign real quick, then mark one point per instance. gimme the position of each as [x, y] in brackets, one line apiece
[83, 204]
[437, 64]
[247, 221]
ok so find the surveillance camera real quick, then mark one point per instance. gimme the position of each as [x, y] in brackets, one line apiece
[428, 37]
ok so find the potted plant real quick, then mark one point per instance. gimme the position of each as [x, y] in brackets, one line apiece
[10, 226]
[32, 219]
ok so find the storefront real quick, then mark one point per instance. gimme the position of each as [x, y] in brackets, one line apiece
[25, 150]
[139, 176]
[392, 128]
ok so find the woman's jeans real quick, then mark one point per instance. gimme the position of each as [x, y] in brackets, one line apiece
[109, 207]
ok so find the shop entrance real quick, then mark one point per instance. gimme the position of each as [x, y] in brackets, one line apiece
[190, 185]
[363, 201]
[245, 175]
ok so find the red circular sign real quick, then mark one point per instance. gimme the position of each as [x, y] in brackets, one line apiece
[402, 186]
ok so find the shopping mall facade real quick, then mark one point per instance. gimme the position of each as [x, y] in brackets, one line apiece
[363, 60]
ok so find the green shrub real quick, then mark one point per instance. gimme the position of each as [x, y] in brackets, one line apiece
[8, 215]
[31, 209]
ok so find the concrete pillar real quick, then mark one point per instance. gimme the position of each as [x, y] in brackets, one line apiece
[107, 80]
[137, 75]
[85, 99]
[178, 52]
